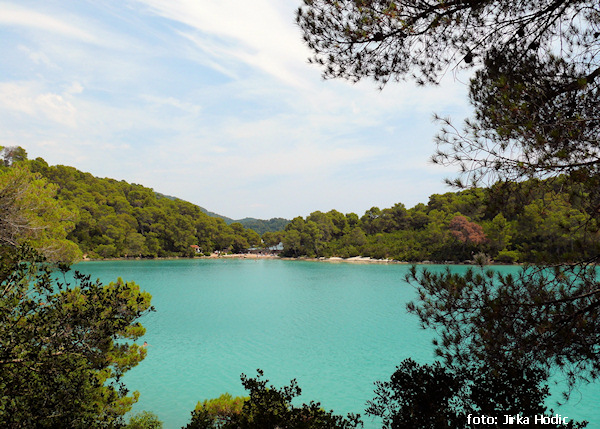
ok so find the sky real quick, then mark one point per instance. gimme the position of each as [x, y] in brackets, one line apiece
[213, 102]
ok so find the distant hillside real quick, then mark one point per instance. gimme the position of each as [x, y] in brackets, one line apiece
[259, 225]
[262, 226]
[227, 220]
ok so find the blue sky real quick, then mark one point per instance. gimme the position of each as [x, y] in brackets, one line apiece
[213, 102]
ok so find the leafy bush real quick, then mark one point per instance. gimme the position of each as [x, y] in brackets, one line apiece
[144, 420]
[64, 345]
[507, 256]
[266, 407]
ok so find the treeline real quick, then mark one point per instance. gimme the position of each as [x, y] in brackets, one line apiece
[119, 219]
[509, 222]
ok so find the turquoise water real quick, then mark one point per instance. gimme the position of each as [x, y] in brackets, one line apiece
[336, 328]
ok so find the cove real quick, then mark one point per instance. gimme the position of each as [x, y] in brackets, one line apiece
[335, 327]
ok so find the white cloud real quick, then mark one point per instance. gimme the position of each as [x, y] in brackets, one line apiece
[39, 58]
[74, 88]
[259, 33]
[56, 108]
[216, 56]
[183, 106]
[17, 97]
[26, 97]
[12, 15]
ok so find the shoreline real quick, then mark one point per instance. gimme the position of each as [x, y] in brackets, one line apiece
[333, 259]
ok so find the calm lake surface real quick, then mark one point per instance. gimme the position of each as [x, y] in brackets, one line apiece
[335, 327]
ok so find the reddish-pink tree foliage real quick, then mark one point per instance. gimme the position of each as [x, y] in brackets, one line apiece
[466, 231]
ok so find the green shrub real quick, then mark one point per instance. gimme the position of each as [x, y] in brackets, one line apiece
[144, 420]
[266, 407]
[217, 412]
[507, 256]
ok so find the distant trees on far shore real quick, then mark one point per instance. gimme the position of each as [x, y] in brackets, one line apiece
[508, 222]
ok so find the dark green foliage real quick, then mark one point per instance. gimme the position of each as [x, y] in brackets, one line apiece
[419, 39]
[30, 213]
[217, 413]
[261, 226]
[442, 397]
[144, 420]
[63, 345]
[500, 338]
[522, 222]
[536, 98]
[269, 407]
[540, 319]
[118, 219]
[418, 396]
[271, 239]
[538, 67]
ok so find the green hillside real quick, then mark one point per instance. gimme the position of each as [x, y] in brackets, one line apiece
[119, 219]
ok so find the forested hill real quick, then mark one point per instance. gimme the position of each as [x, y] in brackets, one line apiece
[116, 218]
